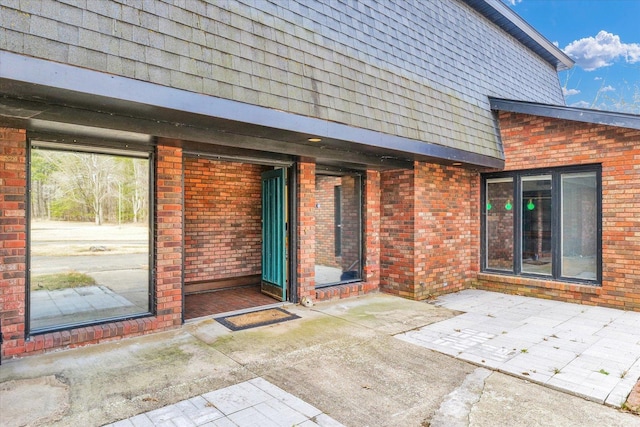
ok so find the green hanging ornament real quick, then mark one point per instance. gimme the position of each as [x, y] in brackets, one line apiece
[530, 205]
[488, 206]
[508, 206]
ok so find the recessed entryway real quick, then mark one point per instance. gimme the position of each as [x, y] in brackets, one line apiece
[235, 236]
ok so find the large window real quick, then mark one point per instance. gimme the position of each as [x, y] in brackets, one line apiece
[88, 236]
[338, 216]
[543, 223]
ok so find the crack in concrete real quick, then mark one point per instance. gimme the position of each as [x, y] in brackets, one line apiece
[455, 409]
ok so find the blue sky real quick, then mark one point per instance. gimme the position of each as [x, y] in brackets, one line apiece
[603, 37]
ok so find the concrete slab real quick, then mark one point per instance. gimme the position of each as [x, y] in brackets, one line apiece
[522, 403]
[51, 395]
[339, 361]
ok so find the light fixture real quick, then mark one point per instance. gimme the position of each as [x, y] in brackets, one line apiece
[314, 139]
[456, 164]
[508, 206]
[530, 205]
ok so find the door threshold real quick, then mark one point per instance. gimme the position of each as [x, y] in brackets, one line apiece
[242, 311]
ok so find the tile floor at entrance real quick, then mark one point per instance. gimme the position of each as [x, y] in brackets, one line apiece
[223, 301]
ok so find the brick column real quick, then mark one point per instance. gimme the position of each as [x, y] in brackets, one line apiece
[397, 232]
[13, 184]
[371, 230]
[168, 230]
[474, 227]
[445, 246]
[429, 230]
[305, 229]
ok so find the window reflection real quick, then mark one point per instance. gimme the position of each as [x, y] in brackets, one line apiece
[338, 229]
[499, 227]
[536, 225]
[89, 237]
[579, 225]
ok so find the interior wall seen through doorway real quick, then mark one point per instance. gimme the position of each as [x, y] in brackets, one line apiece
[222, 219]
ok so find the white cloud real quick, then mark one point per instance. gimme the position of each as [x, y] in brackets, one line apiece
[513, 2]
[602, 50]
[598, 78]
[607, 89]
[569, 92]
[581, 104]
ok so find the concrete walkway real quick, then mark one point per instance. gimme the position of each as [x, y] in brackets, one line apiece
[592, 352]
[341, 362]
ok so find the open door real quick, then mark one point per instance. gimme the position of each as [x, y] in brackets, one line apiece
[274, 234]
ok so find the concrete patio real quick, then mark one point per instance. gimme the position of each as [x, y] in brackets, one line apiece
[593, 352]
[341, 363]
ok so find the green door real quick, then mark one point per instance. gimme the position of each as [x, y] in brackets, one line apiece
[274, 233]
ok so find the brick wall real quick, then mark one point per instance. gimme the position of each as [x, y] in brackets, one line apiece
[305, 229]
[223, 219]
[533, 142]
[429, 241]
[397, 232]
[13, 180]
[371, 229]
[168, 238]
[168, 280]
[446, 240]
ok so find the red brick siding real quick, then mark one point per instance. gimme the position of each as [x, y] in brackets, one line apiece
[446, 245]
[223, 214]
[169, 241]
[397, 232]
[429, 241]
[371, 229]
[536, 142]
[305, 229]
[168, 228]
[13, 181]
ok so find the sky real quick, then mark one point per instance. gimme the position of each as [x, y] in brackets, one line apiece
[603, 38]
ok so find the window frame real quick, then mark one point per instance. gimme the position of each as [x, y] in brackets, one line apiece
[556, 174]
[332, 171]
[89, 145]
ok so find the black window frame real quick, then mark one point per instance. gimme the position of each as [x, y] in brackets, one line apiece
[335, 171]
[89, 145]
[556, 220]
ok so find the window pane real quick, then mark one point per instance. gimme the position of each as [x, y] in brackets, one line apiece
[89, 237]
[338, 229]
[499, 227]
[536, 225]
[579, 225]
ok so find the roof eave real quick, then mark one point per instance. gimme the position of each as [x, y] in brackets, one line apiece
[600, 117]
[504, 17]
